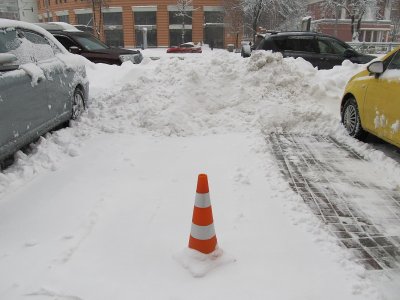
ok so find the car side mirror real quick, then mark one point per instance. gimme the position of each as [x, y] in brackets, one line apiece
[74, 50]
[348, 53]
[246, 50]
[6, 62]
[375, 68]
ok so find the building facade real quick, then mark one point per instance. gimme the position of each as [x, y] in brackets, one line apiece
[23, 10]
[126, 23]
[375, 25]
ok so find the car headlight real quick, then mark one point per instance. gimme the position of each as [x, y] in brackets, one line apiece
[138, 58]
[126, 57]
[135, 58]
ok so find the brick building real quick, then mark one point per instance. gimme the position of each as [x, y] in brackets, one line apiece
[123, 21]
[376, 25]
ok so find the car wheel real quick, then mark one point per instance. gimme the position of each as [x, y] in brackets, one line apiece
[351, 119]
[78, 103]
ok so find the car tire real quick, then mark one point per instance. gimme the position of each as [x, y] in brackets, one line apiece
[78, 104]
[351, 120]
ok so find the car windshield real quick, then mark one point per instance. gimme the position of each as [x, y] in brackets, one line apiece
[89, 42]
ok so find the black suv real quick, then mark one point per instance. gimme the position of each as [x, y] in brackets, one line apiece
[322, 51]
[87, 45]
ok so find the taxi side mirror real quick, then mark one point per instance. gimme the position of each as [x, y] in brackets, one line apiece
[375, 68]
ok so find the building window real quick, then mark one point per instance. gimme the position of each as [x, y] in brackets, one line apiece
[145, 17]
[215, 17]
[113, 32]
[84, 19]
[114, 37]
[175, 36]
[176, 17]
[214, 28]
[64, 18]
[178, 36]
[112, 18]
[151, 37]
[148, 20]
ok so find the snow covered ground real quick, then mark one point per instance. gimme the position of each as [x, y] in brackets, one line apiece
[102, 209]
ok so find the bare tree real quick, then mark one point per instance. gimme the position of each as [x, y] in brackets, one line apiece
[274, 14]
[185, 8]
[97, 16]
[288, 14]
[355, 9]
[234, 18]
[395, 17]
[253, 9]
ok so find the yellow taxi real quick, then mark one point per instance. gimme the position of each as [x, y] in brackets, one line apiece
[371, 101]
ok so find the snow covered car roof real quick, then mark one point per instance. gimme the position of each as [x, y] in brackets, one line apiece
[6, 23]
[58, 26]
[190, 44]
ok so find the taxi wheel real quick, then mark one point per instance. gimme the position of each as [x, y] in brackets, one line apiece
[351, 120]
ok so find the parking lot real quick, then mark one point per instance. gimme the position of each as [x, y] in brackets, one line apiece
[102, 209]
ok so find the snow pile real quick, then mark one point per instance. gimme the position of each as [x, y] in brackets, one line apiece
[217, 94]
[34, 72]
[199, 264]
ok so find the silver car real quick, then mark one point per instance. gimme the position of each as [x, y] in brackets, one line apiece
[42, 85]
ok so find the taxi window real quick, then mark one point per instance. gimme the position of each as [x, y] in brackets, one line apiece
[395, 62]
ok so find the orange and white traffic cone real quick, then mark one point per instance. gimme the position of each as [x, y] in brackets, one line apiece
[202, 234]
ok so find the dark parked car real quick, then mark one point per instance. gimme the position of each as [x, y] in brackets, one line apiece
[42, 85]
[322, 51]
[87, 45]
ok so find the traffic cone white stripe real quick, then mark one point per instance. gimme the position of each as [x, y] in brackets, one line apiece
[202, 200]
[202, 232]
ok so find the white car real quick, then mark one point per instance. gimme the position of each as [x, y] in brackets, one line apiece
[42, 85]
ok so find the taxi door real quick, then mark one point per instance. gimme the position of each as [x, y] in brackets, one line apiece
[382, 102]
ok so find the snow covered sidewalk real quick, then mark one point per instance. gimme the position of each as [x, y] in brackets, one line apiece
[111, 222]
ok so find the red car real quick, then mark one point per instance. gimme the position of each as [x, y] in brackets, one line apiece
[189, 47]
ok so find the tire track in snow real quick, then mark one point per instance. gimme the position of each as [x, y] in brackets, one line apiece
[86, 230]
